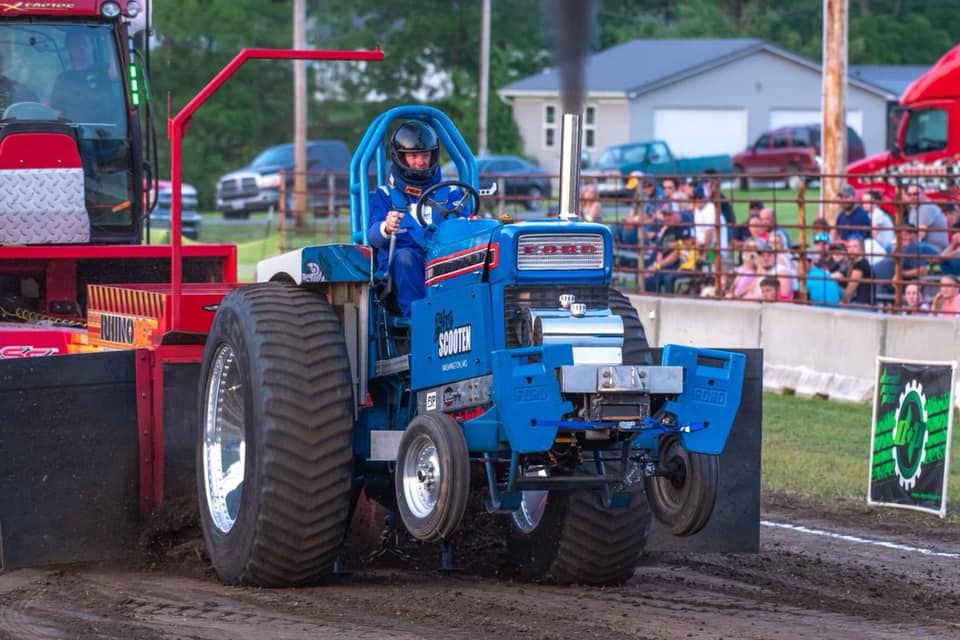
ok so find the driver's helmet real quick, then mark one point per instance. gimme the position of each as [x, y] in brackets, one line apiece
[410, 137]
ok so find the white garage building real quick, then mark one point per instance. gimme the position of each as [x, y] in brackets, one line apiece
[703, 96]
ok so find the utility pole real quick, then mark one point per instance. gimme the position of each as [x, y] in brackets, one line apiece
[300, 114]
[484, 77]
[834, 139]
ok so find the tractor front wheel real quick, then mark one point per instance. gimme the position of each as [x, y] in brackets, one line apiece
[684, 498]
[432, 476]
[275, 448]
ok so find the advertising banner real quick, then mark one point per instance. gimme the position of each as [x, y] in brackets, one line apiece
[910, 442]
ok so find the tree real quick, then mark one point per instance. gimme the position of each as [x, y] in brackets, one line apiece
[196, 38]
[432, 54]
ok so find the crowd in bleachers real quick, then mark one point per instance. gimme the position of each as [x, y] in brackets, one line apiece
[681, 236]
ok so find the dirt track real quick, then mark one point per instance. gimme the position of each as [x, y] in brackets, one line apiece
[801, 585]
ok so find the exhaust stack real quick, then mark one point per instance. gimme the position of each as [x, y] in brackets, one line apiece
[570, 167]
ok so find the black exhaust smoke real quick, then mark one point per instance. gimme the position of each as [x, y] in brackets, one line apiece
[573, 23]
[573, 26]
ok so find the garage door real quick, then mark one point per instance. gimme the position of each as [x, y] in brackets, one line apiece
[787, 117]
[700, 132]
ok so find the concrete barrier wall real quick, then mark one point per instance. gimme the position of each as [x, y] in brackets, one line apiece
[914, 338]
[709, 323]
[809, 350]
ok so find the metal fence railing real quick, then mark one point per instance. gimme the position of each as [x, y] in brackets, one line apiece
[780, 240]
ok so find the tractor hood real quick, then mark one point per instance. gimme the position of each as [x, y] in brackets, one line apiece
[552, 251]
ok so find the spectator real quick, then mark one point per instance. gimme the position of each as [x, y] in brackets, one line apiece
[627, 232]
[769, 289]
[856, 278]
[819, 238]
[711, 187]
[952, 213]
[746, 273]
[927, 217]
[643, 210]
[852, 220]
[946, 302]
[786, 266]
[913, 300]
[669, 242]
[916, 255]
[705, 218]
[758, 232]
[645, 198]
[820, 230]
[668, 187]
[872, 251]
[822, 290]
[687, 187]
[836, 262]
[768, 267]
[880, 220]
[591, 210]
[680, 202]
[768, 218]
[950, 257]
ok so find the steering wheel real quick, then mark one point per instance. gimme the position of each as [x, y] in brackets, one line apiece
[448, 212]
[29, 111]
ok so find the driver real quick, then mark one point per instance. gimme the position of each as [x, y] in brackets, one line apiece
[86, 92]
[414, 154]
[12, 91]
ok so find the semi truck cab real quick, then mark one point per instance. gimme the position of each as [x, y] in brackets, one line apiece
[926, 147]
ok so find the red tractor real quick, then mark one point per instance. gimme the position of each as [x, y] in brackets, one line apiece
[97, 438]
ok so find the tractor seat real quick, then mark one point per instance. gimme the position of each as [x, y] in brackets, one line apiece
[41, 186]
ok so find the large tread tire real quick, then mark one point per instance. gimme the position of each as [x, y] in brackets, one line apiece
[453, 493]
[684, 507]
[577, 541]
[297, 421]
[636, 349]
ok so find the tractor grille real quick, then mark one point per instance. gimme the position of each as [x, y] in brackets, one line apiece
[236, 187]
[516, 300]
[559, 251]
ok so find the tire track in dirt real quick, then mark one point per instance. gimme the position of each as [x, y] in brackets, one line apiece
[798, 586]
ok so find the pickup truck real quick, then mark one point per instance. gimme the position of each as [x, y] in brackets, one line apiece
[652, 157]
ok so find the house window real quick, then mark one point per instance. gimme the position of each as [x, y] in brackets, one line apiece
[590, 127]
[549, 126]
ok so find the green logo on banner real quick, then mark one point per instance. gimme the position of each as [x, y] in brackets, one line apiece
[910, 434]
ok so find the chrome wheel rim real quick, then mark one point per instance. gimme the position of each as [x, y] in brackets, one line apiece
[224, 442]
[422, 476]
[533, 504]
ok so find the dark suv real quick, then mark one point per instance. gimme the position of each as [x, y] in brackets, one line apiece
[256, 187]
[789, 151]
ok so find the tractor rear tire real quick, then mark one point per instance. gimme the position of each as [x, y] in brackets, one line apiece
[684, 503]
[636, 350]
[276, 400]
[577, 541]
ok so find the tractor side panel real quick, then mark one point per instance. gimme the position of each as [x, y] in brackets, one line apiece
[69, 487]
[451, 338]
[734, 526]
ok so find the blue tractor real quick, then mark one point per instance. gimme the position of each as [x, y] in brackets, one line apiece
[522, 376]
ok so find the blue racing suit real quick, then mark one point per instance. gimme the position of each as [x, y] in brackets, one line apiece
[407, 266]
